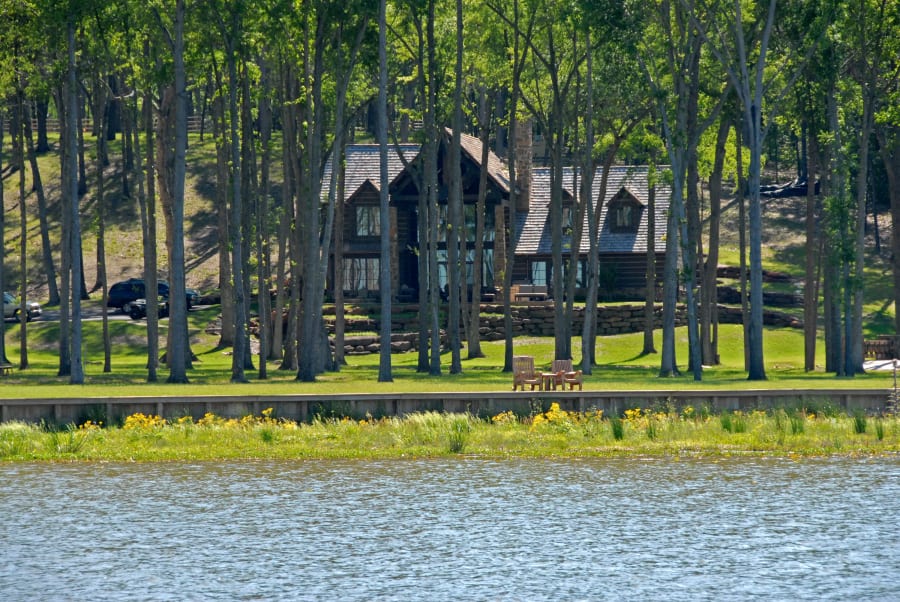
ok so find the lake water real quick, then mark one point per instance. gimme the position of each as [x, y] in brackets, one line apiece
[462, 529]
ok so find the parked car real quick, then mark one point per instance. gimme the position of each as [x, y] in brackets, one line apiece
[122, 294]
[138, 309]
[12, 308]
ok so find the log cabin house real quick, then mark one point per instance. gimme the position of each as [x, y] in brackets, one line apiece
[623, 231]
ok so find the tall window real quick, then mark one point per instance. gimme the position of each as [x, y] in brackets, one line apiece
[470, 223]
[567, 219]
[361, 274]
[368, 220]
[539, 272]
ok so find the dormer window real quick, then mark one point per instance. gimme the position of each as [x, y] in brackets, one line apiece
[568, 220]
[624, 212]
[368, 221]
[624, 216]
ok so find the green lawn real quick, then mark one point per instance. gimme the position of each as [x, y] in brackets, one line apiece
[621, 366]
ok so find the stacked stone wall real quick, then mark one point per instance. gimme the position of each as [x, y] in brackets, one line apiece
[535, 319]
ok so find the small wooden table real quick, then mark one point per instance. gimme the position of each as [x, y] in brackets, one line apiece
[548, 381]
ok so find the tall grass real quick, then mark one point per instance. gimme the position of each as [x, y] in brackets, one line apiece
[555, 432]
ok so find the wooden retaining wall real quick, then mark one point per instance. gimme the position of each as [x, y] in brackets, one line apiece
[305, 407]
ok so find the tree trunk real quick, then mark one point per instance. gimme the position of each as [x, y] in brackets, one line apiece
[65, 341]
[38, 187]
[650, 296]
[19, 149]
[147, 204]
[264, 257]
[455, 246]
[3, 357]
[71, 188]
[474, 337]
[226, 282]
[98, 111]
[708, 289]
[813, 247]
[431, 146]
[384, 363]
[889, 149]
[236, 234]
[42, 104]
[855, 344]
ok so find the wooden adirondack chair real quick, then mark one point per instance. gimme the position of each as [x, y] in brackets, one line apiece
[566, 375]
[524, 374]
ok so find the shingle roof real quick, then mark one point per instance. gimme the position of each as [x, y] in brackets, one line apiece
[363, 165]
[533, 227]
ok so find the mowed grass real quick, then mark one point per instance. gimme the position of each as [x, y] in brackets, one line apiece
[621, 366]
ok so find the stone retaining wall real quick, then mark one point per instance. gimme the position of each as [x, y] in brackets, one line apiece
[534, 319]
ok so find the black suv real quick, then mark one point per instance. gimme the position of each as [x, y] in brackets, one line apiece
[122, 294]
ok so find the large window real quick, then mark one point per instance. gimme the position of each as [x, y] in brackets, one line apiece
[487, 267]
[470, 211]
[368, 220]
[361, 274]
[539, 273]
[469, 216]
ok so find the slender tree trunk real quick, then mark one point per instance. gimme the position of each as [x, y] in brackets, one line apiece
[178, 357]
[384, 364]
[226, 281]
[709, 290]
[235, 225]
[19, 144]
[147, 202]
[813, 246]
[432, 137]
[3, 357]
[650, 296]
[43, 104]
[474, 336]
[71, 187]
[889, 149]
[38, 187]
[264, 261]
[65, 341]
[855, 319]
[99, 107]
[742, 242]
[455, 254]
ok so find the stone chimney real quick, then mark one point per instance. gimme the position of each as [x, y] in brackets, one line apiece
[524, 162]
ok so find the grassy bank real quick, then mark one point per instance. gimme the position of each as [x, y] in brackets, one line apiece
[555, 433]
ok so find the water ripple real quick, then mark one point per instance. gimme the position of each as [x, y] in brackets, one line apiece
[620, 529]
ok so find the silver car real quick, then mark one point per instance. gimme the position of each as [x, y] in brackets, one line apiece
[12, 309]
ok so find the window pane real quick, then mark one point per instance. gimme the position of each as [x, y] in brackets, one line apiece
[361, 274]
[368, 220]
[539, 273]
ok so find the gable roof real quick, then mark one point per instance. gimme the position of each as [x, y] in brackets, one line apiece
[533, 227]
[362, 165]
[472, 147]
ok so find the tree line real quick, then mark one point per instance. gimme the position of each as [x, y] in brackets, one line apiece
[707, 91]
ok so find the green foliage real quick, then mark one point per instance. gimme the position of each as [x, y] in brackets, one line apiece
[617, 428]
[860, 422]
